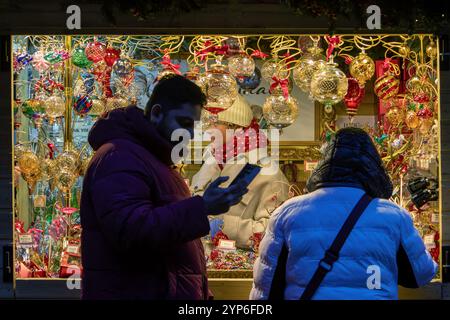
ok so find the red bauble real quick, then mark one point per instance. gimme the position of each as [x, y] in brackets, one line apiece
[354, 96]
[111, 56]
[95, 51]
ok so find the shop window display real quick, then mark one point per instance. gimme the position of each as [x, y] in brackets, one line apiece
[304, 87]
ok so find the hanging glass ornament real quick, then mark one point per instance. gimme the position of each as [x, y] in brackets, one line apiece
[219, 87]
[169, 68]
[425, 125]
[98, 107]
[115, 103]
[39, 63]
[65, 180]
[122, 67]
[354, 96]
[279, 110]
[29, 166]
[250, 83]
[362, 68]
[308, 64]
[82, 105]
[95, 51]
[68, 160]
[411, 119]
[241, 65]
[54, 107]
[48, 169]
[79, 58]
[272, 68]
[23, 59]
[395, 115]
[329, 85]
[111, 56]
[53, 57]
[386, 86]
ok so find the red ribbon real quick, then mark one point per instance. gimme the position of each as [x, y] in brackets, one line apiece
[332, 43]
[220, 50]
[259, 54]
[387, 64]
[167, 63]
[283, 83]
[19, 226]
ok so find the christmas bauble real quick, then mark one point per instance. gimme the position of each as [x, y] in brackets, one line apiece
[98, 107]
[54, 107]
[48, 169]
[32, 107]
[53, 57]
[411, 119]
[95, 51]
[425, 125]
[122, 67]
[68, 160]
[395, 115]
[115, 103]
[23, 59]
[252, 82]
[329, 84]
[82, 105]
[65, 180]
[308, 64]
[353, 97]
[280, 111]
[241, 65]
[28, 163]
[362, 68]
[111, 56]
[219, 87]
[79, 58]
[414, 85]
[272, 68]
[39, 63]
[386, 86]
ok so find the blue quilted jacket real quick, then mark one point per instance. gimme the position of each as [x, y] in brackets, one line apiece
[383, 249]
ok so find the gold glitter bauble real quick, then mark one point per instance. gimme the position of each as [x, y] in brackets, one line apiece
[115, 103]
[98, 107]
[362, 68]
[28, 163]
[54, 107]
[308, 64]
[241, 65]
[272, 68]
[411, 119]
[329, 84]
[65, 180]
[48, 168]
[395, 115]
[68, 160]
[279, 111]
[219, 87]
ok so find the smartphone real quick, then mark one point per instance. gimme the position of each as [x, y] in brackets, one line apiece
[246, 175]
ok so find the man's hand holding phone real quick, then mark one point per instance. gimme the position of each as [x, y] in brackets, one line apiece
[219, 200]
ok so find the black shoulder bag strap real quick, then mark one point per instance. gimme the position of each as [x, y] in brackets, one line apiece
[332, 254]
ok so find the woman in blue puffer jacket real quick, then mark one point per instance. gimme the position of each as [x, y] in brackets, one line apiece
[382, 250]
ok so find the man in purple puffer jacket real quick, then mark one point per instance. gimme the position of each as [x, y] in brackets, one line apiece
[141, 227]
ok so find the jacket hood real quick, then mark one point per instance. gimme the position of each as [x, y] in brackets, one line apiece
[351, 159]
[130, 124]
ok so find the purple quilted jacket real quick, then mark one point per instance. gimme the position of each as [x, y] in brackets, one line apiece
[141, 228]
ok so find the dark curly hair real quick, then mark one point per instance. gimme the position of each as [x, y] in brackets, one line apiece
[172, 91]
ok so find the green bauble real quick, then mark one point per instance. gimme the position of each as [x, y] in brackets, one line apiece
[79, 58]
